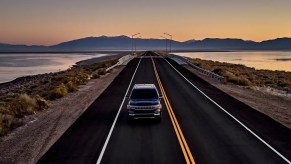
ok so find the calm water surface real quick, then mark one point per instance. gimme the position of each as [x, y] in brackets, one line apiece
[17, 65]
[271, 60]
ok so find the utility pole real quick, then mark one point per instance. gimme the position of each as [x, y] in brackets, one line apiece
[132, 42]
[135, 43]
[170, 41]
[166, 44]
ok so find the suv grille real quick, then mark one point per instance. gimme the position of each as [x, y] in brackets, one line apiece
[144, 107]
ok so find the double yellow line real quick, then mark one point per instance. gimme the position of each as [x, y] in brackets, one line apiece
[184, 146]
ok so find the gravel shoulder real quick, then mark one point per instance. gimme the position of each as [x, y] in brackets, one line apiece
[272, 103]
[28, 143]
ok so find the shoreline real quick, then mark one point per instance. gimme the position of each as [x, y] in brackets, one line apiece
[100, 59]
[81, 62]
[260, 60]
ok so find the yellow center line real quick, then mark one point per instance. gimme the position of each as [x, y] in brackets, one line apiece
[183, 144]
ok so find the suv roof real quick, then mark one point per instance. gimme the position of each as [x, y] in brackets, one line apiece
[144, 86]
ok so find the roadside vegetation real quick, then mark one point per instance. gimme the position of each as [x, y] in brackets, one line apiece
[246, 76]
[28, 95]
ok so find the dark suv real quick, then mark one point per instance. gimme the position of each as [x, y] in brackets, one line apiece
[144, 102]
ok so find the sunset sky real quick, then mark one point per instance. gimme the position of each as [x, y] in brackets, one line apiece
[48, 22]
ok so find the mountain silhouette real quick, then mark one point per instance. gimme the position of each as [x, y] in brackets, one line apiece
[223, 44]
[279, 43]
[125, 43]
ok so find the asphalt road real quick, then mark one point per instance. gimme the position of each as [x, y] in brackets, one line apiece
[209, 134]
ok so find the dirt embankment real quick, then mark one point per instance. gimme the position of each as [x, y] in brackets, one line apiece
[266, 100]
[28, 143]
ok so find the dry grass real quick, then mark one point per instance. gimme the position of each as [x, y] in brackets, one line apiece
[246, 76]
[8, 122]
[58, 92]
[15, 108]
[41, 103]
[67, 81]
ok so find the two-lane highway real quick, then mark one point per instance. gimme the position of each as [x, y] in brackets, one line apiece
[193, 128]
[143, 141]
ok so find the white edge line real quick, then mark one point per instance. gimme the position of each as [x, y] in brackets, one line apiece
[253, 133]
[116, 117]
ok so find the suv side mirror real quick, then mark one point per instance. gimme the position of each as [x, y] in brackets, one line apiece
[160, 97]
[127, 96]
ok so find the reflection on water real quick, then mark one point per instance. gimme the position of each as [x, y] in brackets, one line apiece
[17, 65]
[271, 60]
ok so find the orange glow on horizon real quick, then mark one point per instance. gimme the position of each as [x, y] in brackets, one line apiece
[52, 22]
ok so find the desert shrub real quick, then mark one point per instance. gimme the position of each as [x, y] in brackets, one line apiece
[101, 71]
[107, 65]
[34, 86]
[41, 103]
[71, 86]
[4, 110]
[283, 83]
[68, 79]
[219, 71]
[95, 75]
[234, 77]
[17, 107]
[240, 81]
[45, 94]
[58, 92]
[81, 78]
[268, 82]
[20, 106]
[57, 78]
[112, 62]
[26, 105]
[102, 65]
[7, 123]
[44, 81]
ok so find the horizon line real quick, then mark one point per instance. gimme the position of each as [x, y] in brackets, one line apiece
[23, 44]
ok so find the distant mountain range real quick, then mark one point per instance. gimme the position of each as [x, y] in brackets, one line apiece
[125, 43]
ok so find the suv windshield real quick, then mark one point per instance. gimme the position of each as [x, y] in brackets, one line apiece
[144, 94]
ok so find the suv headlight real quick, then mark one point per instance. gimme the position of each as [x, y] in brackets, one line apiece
[158, 107]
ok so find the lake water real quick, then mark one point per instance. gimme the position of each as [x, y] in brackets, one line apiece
[17, 65]
[271, 60]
